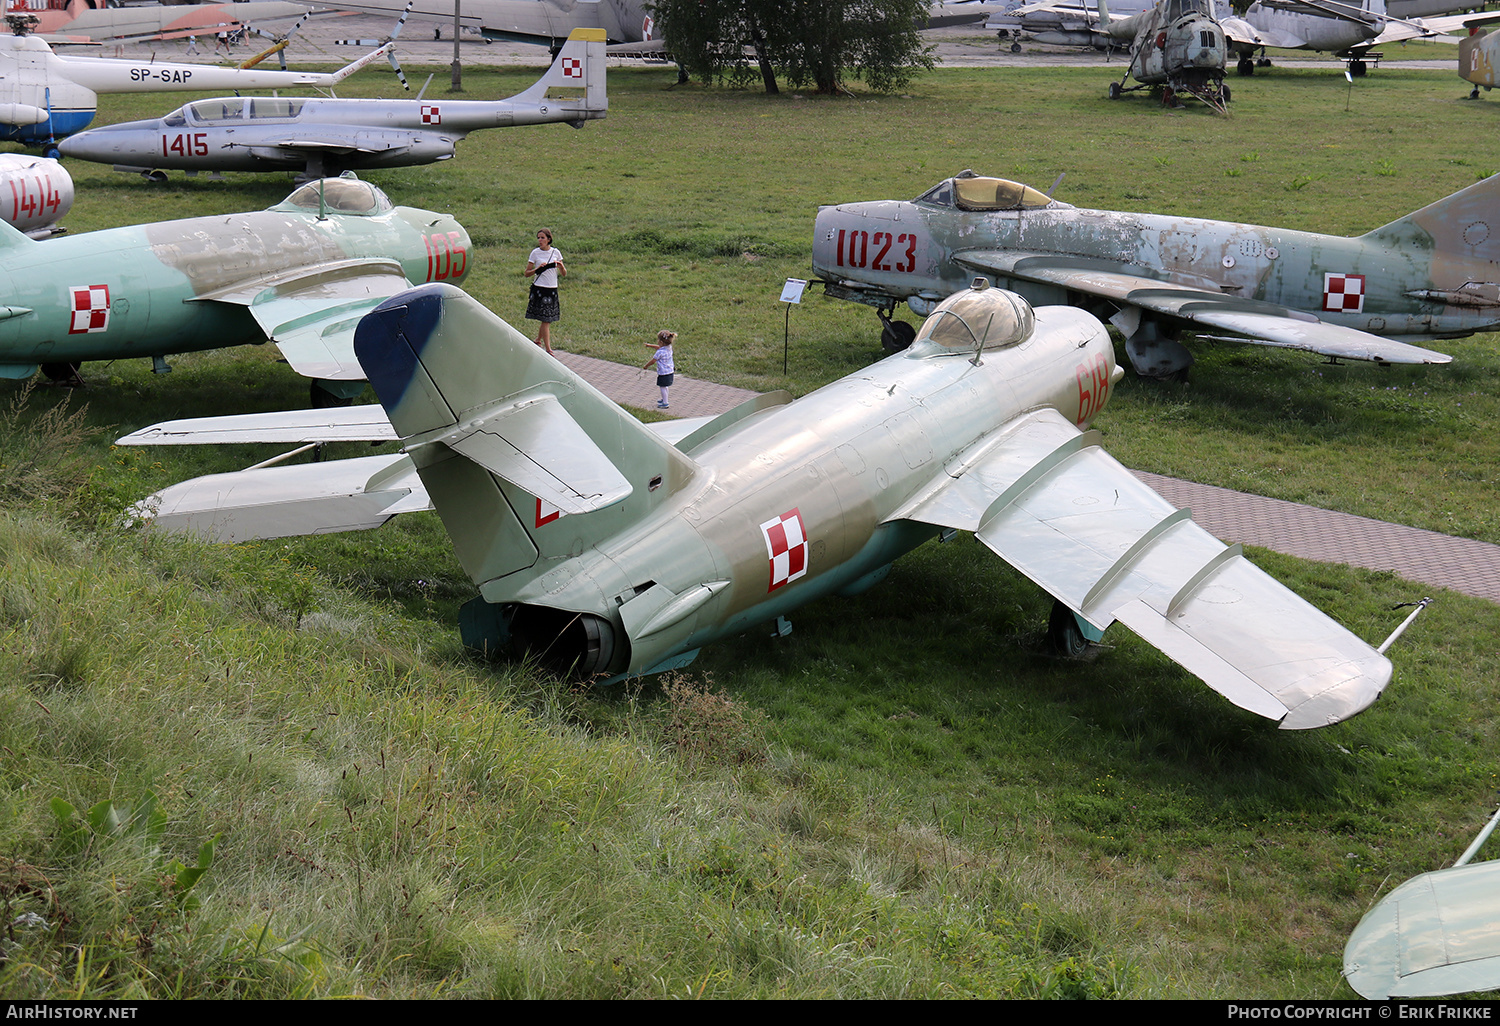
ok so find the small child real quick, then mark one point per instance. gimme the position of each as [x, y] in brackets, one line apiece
[664, 365]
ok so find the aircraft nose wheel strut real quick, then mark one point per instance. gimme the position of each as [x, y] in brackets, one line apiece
[895, 335]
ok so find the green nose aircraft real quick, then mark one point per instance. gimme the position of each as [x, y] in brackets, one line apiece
[299, 274]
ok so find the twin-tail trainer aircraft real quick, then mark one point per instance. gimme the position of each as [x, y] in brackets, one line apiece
[299, 274]
[44, 96]
[1432, 274]
[326, 136]
[605, 549]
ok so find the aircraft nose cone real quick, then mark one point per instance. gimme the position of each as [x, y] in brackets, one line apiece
[79, 146]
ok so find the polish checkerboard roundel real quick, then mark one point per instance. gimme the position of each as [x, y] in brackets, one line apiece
[431, 115]
[786, 544]
[90, 309]
[572, 67]
[1344, 293]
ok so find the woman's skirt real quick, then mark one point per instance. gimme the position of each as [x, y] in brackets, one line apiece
[542, 305]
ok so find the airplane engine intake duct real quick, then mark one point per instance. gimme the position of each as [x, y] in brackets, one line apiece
[570, 644]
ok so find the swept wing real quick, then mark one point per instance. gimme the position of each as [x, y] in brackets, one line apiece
[1433, 935]
[310, 312]
[283, 502]
[1252, 320]
[1045, 498]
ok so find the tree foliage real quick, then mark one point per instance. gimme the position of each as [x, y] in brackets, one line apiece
[808, 42]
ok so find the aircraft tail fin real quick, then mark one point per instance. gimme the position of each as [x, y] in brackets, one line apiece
[507, 440]
[1460, 226]
[12, 237]
[579, 64]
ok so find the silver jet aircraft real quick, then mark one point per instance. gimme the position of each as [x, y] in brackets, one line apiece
[45, 96]
[1432, 274]
[605, 548]
[1351, 31]
[326, 136]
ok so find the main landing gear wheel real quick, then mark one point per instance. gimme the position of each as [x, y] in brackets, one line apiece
[1115, 91]
[51, 152]
[1015, 47]
[322, 399]
[1063, 633]
[63, 373]
[1245, 67]
[1357, 69]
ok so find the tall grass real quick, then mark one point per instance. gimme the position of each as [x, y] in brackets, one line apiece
[906, 797]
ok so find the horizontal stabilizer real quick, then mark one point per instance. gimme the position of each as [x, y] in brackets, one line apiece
[1058, 508]
[535, 445]
[1258, 321]
[1433, 935]
[288, 427]
[282, 502]
[299, 427]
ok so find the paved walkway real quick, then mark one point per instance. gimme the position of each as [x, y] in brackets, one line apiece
[1440, 560]
[632, 386]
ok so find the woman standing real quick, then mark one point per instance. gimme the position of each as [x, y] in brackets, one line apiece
[546, 264]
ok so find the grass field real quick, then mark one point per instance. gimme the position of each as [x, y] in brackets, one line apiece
[907, 796]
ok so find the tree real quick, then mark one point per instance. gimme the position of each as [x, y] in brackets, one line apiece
[810, 42]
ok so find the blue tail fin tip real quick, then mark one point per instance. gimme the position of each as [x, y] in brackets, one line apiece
[390, 339]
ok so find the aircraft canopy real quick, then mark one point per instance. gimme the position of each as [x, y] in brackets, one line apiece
[236, 108]
[998, 317]
[974, 192]
[339, 195]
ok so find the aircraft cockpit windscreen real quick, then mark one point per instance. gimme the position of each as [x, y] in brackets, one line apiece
[974, 192]
[275, 107]
[996, 194]
[225, 109]
[961, 321]
[339, 196]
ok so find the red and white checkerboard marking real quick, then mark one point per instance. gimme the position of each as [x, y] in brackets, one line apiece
[90, 309]
[572, 67]
[786, 544]
[1344, 293]
[431, 115]
[546, 512]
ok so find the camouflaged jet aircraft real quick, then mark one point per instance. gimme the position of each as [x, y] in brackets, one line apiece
[299, 274]
[606, 548]
[326, 136]
[1432, 274]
